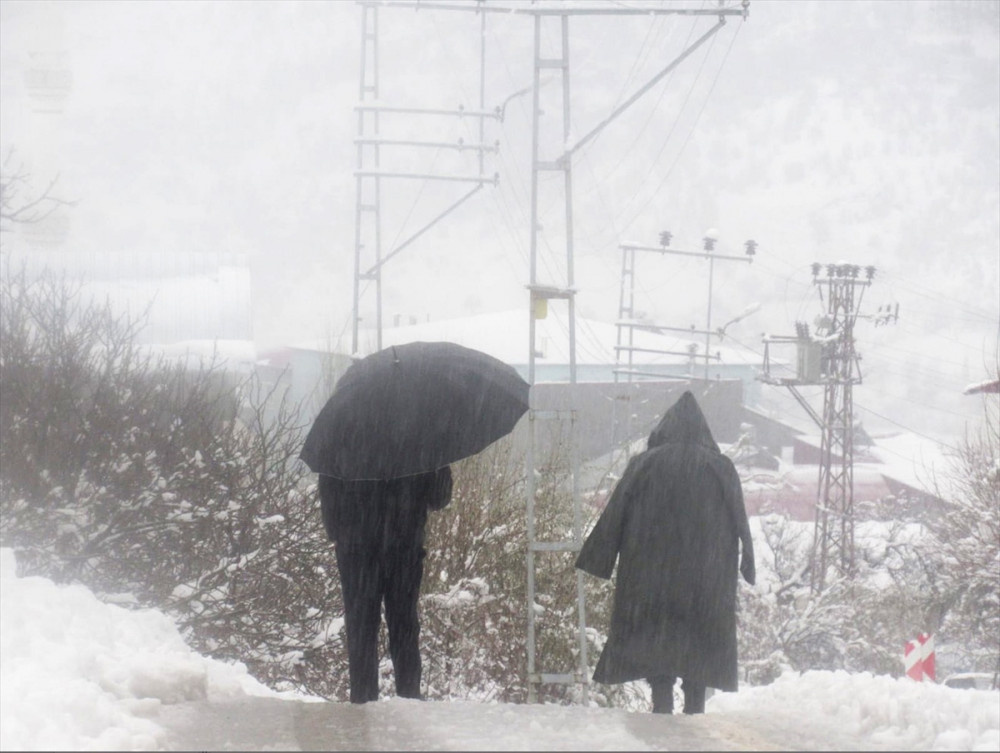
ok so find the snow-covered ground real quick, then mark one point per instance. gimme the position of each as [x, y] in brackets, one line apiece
[79, 674]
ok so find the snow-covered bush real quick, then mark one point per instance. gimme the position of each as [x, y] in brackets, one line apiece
[474, 599]
[858, 624]
[961, 557]
[159, 485]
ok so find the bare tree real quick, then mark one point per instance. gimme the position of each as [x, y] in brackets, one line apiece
[160, 485]
[19, 204]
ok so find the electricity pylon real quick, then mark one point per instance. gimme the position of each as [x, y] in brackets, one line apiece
[829, 358]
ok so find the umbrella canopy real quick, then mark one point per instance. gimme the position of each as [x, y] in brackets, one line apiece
[411, 409]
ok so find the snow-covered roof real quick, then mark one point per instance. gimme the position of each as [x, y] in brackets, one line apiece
[179, 296]
[193, 307]
[918, 462]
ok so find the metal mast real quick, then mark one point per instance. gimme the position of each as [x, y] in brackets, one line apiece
[539, 297]
[829, 358]
[540, 294]
[369, 175]
[553, 18]
[833, 542]
[627, 323]
[626, 312]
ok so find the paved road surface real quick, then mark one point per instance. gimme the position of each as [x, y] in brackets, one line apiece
[276, 724]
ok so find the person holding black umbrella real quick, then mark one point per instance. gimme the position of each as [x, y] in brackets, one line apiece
[675, 522]
[383, 445]
[378, 530]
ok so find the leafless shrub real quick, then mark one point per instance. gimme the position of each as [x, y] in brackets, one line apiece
[159, 485]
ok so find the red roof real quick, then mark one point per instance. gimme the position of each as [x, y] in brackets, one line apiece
[992, 387]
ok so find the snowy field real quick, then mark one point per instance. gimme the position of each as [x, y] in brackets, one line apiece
[78, 674]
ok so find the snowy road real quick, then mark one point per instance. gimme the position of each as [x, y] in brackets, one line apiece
[276, 724]
[79, 674]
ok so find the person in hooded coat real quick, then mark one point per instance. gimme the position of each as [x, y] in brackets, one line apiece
[378, 530]
[674, 523]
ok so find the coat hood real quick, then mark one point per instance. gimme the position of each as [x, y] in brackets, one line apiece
[683, 423]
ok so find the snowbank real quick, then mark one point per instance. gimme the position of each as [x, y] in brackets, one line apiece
[891, 713]
[79, 674]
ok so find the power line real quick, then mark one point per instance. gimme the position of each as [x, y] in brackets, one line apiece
[882, 346]
[673, 127]
[680, 152]
[916, 289]
[901, 426]
[649, 118]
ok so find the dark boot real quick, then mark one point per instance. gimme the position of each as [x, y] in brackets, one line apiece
[663, 694]
[694, 698]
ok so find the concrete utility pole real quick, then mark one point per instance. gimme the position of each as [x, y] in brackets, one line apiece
[829, 358]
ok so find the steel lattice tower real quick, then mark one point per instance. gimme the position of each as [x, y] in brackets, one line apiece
[829, 358]
[834, 535]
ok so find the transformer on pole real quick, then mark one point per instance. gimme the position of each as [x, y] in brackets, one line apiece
[828, 357]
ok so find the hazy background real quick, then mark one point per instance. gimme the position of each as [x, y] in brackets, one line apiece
[865, 132]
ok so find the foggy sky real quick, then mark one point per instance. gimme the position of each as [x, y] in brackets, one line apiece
[860, 131]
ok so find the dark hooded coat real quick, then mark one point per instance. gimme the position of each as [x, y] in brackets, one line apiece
[674, 522]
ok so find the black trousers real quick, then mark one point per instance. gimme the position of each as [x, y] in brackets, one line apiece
[663, 696]
[368, 578]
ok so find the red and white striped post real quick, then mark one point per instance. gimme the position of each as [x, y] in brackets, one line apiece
[918, 658]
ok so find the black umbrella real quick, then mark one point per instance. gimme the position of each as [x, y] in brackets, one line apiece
[414, 408]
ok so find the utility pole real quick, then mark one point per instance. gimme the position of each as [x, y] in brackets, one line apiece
[541, 293]
[369, 174]
[829, 358]
[627, 323]
[553, 17]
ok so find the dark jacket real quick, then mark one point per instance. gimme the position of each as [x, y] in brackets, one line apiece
[382, 514]
[673, 522]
